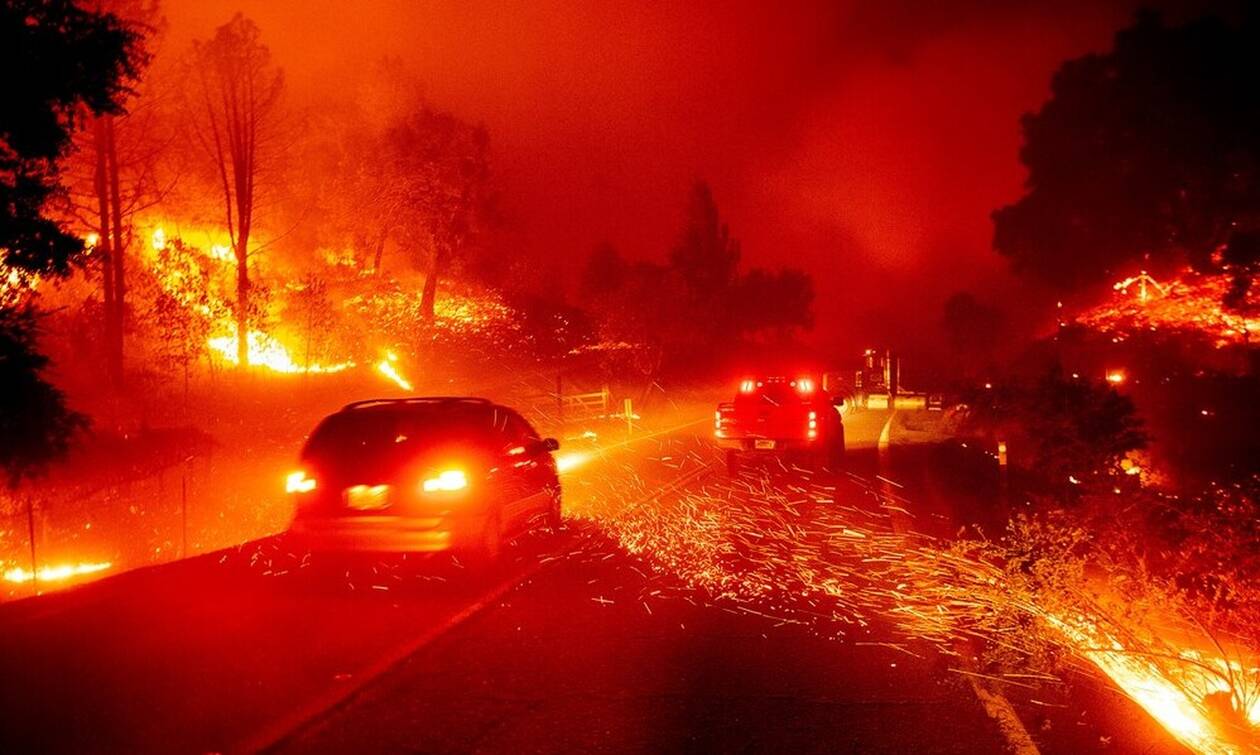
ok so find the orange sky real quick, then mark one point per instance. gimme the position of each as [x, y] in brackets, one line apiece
[866, 142]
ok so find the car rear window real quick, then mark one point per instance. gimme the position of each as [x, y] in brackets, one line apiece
[382, 433]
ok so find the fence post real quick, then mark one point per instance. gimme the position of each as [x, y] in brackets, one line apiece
[1004, 480]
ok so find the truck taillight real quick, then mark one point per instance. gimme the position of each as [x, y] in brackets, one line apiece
[812, 429]
[747, 386]
[805, 386]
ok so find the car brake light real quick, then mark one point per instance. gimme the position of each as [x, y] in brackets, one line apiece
[299, 482]
[451, 479]
[747, 386]
[805, 385]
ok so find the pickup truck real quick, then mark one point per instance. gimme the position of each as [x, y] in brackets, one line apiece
[777, 416]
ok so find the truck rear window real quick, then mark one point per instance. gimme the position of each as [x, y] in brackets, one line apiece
[774, 394]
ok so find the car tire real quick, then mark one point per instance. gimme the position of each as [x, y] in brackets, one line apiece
[490, 545]
[834, 458]
[555, 513]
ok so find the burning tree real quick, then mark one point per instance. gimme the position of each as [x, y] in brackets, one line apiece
[311, 310]
[184, 305]
[112, 176]
[233, 109]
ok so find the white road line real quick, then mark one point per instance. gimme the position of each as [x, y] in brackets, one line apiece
[885, 435]
[282, 729]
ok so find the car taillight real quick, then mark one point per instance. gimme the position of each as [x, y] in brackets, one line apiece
[299, 482]
[446, 481]
[805, 386]
[747, 386]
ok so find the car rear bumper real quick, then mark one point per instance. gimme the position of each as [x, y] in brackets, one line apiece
[386, 533]
[780, 444]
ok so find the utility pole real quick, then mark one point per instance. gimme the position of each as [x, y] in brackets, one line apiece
[30, 530]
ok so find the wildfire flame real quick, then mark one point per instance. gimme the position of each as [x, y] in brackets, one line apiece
[1175, 691]
[268, 353]
[19, 575]
[388, 368]
[1189, 303]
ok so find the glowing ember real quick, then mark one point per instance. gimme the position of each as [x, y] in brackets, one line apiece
[55, 573]
[388, 368]
[751, 543]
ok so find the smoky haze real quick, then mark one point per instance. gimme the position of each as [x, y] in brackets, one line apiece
[865, 143]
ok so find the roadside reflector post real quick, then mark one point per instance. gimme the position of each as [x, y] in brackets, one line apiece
[1003, 477]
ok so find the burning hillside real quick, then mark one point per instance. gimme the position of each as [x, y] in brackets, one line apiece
[1189, 304]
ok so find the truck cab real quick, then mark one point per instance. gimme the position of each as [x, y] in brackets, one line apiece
[783, 416]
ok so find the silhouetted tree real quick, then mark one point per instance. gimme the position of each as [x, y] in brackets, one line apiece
[59, 64]
[1242, 257]
[776, 300]
[235, 91]
[605, 272]
[682, 312]
[972, 328]
[706, 258]
[1150, 149]
[311, 309]
[35, 425]
[441, 172]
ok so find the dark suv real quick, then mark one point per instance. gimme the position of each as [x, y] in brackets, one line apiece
[423, 474]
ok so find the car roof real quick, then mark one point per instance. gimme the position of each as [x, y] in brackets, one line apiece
[418, 402]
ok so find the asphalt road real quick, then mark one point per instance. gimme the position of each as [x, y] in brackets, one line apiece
[589, 640]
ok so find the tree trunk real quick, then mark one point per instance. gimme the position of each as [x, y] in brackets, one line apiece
[242, 306]
[429, 295]
[118, 253]
[380, 251]
[113, 369]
